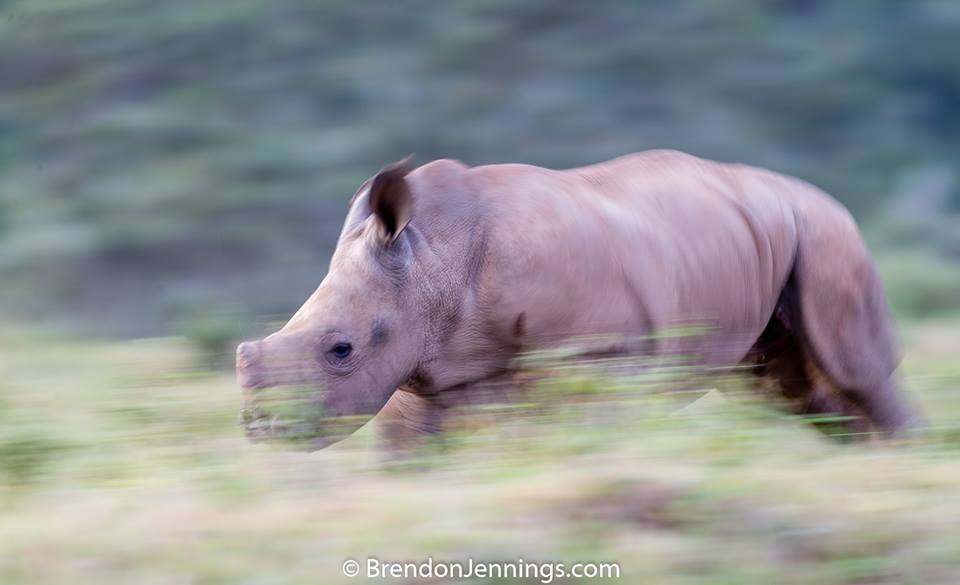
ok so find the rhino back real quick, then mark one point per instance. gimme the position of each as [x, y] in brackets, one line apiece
[634, 245]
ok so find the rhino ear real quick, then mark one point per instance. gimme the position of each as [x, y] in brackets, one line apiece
[390, 199]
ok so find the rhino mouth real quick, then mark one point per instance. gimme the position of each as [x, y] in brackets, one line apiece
[260, 426]
[296, 419]
[263, 427]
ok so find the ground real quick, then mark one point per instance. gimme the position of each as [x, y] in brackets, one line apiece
[122, 462]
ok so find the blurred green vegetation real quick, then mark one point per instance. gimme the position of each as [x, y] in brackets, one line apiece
[158, 154]
[123, 462]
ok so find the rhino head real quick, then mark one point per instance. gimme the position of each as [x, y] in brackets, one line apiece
[358, 337]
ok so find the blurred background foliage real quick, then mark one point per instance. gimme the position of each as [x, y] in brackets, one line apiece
[162, 160]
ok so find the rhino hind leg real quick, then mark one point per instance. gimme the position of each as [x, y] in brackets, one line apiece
[837, 308]
[788, 372]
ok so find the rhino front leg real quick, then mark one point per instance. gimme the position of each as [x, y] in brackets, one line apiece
[407, 422]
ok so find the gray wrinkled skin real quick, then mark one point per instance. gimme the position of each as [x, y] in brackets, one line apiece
[442, 275]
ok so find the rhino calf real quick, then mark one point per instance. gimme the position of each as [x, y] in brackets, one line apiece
[445, 273]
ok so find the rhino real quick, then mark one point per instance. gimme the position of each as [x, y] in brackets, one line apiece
[444, 274]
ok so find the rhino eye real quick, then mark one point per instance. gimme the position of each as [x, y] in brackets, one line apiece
[341, 350]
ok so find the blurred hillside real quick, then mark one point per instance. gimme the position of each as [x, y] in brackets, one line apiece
[166, 160]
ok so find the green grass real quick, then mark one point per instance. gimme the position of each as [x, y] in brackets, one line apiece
[121, 463]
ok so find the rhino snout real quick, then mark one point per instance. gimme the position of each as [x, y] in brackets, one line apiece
[249, 373]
